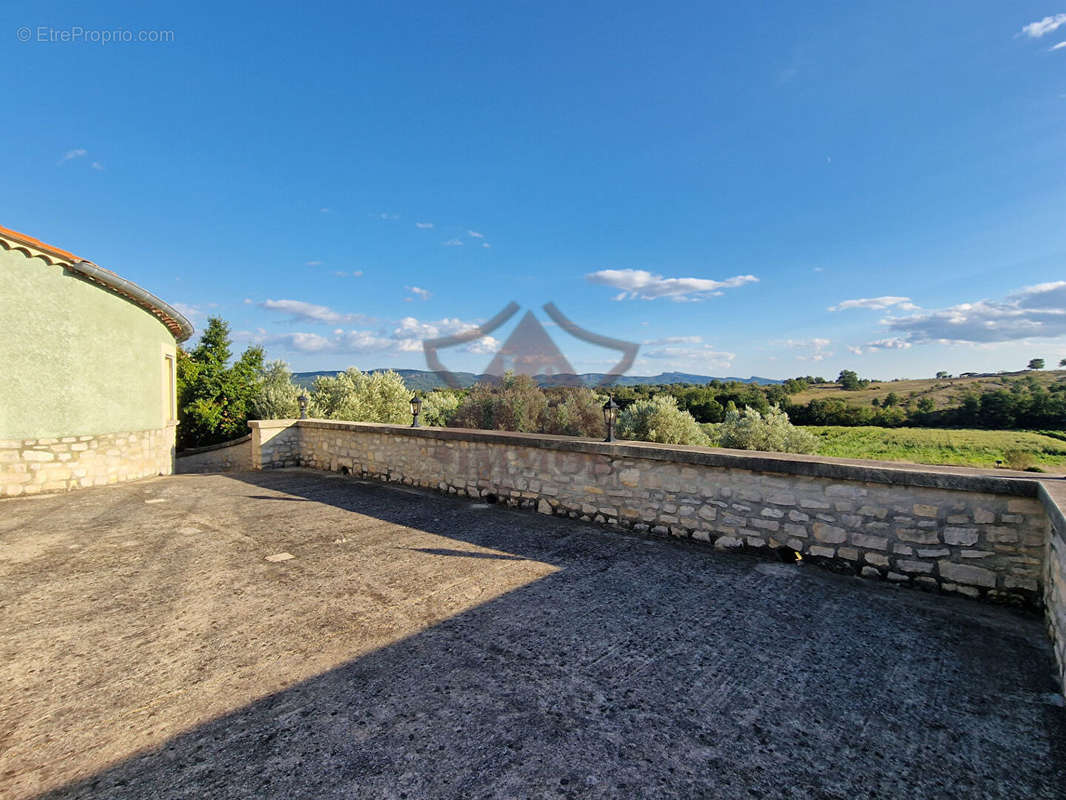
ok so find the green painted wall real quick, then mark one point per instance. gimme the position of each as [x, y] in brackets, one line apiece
[75, 358]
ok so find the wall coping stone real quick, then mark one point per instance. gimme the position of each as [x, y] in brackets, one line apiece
[207, 448]
[1053, 495]
[931, 477]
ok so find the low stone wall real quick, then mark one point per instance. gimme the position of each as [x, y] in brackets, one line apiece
[1054, 497]
[965, 532]
[33, 466]
[225, 457]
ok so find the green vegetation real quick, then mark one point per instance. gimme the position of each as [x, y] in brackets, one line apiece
[214, 398]
[752, 430]
[927, 422]
[660, 420]
[974, 448]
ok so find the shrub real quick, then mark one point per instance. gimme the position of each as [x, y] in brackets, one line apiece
[1019, 459]
[358, 397]
[660, 420]
[277, 395]
[516, 404]
[751, 430]
[438, 408]
[574, 411]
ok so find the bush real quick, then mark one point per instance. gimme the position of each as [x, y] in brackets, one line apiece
[1019, 459]
[355, 396]
[751, 430]
[438, 408]
[574, 411]
[516, 404]
[277, 394]
[660, 420]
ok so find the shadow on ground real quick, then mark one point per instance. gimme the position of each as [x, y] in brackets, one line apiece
[639, 668]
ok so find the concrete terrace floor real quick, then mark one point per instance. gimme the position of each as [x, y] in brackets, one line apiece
[422, 646]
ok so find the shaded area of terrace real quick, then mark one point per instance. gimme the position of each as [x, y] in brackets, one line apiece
[426, 646]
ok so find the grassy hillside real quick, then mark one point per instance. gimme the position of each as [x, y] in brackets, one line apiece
[972, 448]
[945, 392]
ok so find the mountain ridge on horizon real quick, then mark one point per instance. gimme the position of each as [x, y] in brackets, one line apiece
[423, 380]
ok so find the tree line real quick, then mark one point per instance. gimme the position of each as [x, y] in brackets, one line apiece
[216, 398]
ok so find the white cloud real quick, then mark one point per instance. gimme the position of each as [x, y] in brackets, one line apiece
[639, 283]
[418, 291]
[486, 345]
[97, 166]
[355, 273]
[312, 263]
[486, 244]
[876, 303]
[1058, 46]
[814, 349]
[386, 215]
[70, 155]
[191, 312]
[667, 340]
[404, 336]
[476, 235]
[454, 243]
[323, 211]
[686, 353]
[818, 269]
[894, 343]
[1029, 313]
[300, 311]
[424, 225]
[1034, 30]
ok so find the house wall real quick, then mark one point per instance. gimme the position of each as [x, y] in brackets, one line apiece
[75, 358]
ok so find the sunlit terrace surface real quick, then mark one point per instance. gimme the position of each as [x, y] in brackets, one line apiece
[158, 642]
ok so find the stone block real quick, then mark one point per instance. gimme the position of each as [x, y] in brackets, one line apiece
[924, 510]
[967, 574]
[960, 536]
[869, 542]
[918, 536]
[906, 565]
[829, 533]
[822, 552]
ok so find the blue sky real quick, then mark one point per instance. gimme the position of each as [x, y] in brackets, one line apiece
[756, 188]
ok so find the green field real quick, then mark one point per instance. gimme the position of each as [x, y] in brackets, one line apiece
[972, 448]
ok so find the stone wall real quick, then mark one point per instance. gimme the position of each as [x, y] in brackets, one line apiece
[33, 466]
[224, 457]
[958, 531]
[1054, 497]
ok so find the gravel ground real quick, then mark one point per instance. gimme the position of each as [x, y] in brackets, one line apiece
[157, 642]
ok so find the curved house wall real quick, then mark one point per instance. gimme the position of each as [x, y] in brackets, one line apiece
[87, 391]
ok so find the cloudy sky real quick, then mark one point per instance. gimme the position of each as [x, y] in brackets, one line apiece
[771, 189]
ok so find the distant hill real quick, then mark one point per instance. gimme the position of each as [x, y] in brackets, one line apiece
[425, 380]
[945, 392]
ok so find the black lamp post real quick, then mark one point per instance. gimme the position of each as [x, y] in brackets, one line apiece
[610, 413]
[303, 400]
[416, 409]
